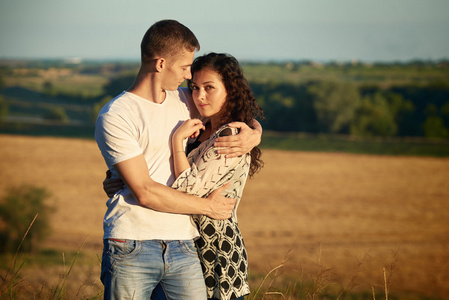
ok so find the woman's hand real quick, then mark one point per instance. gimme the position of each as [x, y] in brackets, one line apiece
[112, 185]
[189, 129]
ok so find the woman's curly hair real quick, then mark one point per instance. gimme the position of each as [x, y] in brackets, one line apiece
[240, 102]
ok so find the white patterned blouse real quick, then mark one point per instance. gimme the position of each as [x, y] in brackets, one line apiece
[220, 247]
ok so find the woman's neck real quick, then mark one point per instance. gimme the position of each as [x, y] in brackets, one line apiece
[214, 123]
[207, 132]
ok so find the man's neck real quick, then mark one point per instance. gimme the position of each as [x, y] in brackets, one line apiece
[147, 87]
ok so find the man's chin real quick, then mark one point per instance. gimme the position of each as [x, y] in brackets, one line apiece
[171, 88]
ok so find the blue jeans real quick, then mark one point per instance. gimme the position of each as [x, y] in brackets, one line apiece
[131, 269]
[158, 294]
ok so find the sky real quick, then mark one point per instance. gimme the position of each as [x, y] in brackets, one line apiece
[251, 30]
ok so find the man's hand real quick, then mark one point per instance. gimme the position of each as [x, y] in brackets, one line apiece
[112, 185]
[220, 206]
[244, 142]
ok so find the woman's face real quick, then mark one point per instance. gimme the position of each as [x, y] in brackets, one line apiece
[208, 92]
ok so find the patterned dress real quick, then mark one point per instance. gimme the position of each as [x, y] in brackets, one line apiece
[220, 248]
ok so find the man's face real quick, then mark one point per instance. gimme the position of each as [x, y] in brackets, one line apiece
[178, 70]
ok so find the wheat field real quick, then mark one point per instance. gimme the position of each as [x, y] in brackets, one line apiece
[345, 219]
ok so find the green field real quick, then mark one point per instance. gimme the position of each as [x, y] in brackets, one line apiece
[347, 144]
[400, 109]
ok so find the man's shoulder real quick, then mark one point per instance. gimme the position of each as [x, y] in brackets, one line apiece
[113, 101]
[121, 103]
[118, 109]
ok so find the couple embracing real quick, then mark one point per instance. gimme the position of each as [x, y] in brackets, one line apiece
[178, 161]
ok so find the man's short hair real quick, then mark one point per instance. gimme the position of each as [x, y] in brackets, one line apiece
[167, 38]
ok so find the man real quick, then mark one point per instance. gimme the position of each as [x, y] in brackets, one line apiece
[148, 233]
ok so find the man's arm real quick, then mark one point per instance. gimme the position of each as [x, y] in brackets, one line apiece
[244, 142]
[165, 199]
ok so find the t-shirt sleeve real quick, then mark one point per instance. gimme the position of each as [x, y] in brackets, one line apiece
[116, 138]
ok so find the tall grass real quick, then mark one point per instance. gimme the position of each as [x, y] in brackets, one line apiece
[315, 283]
[59, 292]
[319, 283]
[13, 282]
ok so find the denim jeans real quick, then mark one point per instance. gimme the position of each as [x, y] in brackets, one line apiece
[131, 269]
[158, 294]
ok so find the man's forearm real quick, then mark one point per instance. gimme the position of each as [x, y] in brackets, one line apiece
[256, 125]
[165, 199]
[154, 195]
[162, 198]
[159, 197]
[244, 142]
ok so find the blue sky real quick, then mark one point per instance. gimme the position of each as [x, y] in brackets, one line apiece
[322, 30]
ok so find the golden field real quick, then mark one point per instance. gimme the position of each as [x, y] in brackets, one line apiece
[337, 218]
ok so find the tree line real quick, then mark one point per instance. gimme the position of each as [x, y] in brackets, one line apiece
[328, 106]
[339, 107]
[343, 107]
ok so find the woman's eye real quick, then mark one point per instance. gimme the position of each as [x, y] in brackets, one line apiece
[194, 87]
[209, 87]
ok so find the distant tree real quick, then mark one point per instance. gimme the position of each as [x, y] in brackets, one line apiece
[397, 103]
[445, 113]
[2, 83]
[47, 88]
[402, 111]
[117, 85]
[435, 93]
[3, 110]
[434, 128]
[445, 109]
[279, 112]
[286, 106]
[373, 118]
[434, 124]
[335, 104]
[18, 208]
[57, 114]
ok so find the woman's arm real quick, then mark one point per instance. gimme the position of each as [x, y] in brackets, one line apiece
[209, 169]
[189, 128]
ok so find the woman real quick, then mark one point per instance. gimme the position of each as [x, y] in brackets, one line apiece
[222, 95]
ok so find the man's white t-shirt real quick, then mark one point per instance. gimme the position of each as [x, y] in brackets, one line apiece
[129, 126]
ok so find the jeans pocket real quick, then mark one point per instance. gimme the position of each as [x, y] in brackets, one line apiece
[121, 250]
[188, 248]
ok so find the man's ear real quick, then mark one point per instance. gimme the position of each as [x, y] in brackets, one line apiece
[160, 64]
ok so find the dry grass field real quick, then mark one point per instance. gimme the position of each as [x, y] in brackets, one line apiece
[338, 219]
